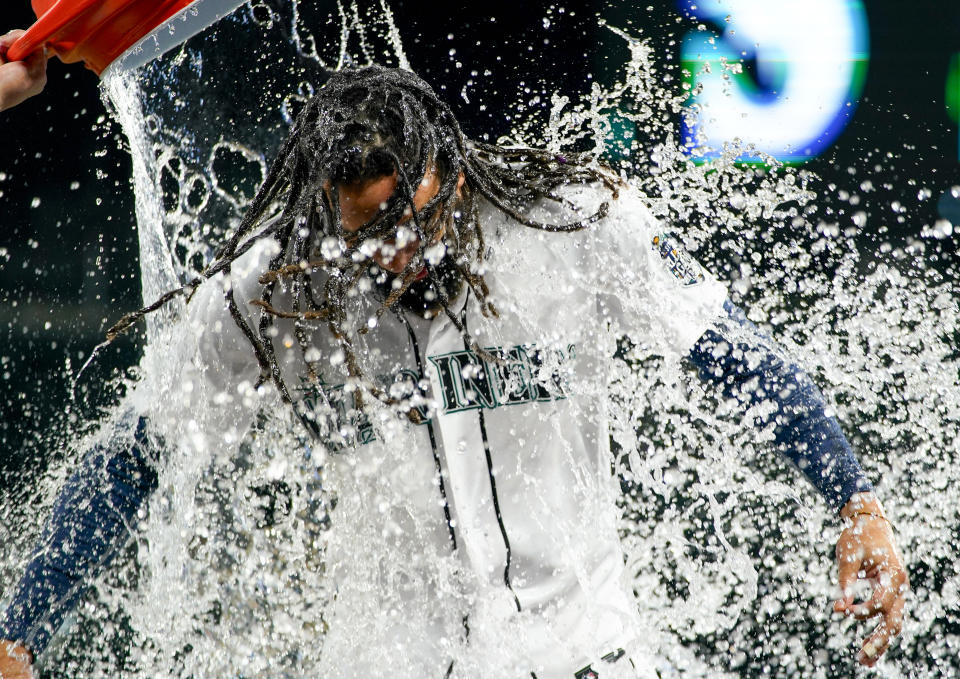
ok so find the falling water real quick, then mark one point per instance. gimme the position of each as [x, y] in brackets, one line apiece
[730, 556]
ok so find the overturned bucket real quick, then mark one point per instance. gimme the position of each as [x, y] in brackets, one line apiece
[130, 32]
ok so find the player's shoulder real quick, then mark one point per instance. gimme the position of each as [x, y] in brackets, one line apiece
[246, 271]
[611, 214]
[618, 200]
[566, 204]
[242, 277]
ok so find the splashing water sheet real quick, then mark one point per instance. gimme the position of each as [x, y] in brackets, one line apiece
[238, 568]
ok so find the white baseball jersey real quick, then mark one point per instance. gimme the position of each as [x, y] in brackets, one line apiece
[485, 537]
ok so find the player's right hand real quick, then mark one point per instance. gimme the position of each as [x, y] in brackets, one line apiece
[15, 661]
[20, 80]
[867, 550]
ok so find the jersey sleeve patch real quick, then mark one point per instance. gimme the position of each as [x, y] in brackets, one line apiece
[678, 261]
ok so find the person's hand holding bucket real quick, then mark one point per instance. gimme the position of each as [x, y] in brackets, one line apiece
[20, 80]
[98, 32]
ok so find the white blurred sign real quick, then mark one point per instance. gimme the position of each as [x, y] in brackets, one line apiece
[810, 58]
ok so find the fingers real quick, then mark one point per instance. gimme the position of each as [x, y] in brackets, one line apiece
[36, 63]
[875, 645]
[881, 601]
[6, 41]
[879, 641]
[849, 561]
[15, 661]
[20, 80]
[37, 71]
[866, 551]
[888, 600]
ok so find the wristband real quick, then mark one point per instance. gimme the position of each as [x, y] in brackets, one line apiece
[861, 513]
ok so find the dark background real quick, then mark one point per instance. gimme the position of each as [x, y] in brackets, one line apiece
[69, 256]
[68, 245]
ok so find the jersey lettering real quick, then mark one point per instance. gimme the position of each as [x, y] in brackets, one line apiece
[523, 374]
[526, 374]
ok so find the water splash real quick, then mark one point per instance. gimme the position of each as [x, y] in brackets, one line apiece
[229, 576]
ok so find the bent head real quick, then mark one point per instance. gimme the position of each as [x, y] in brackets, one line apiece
[362, 201]
[390, 159]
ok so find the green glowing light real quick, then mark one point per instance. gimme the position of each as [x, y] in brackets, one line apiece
[953, 88]
[952, 98]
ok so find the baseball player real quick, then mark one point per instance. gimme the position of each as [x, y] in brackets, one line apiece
[440, 317]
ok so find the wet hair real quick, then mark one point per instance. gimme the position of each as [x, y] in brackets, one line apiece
[364, 124]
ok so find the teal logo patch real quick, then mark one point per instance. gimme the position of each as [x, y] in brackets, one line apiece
[677, 261]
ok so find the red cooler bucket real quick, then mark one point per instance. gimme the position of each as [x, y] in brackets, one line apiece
[97, 32]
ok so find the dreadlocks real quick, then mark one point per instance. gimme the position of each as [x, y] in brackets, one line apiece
[362, 125]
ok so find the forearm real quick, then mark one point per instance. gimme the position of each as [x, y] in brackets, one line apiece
[90, 521]
[746, 366]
